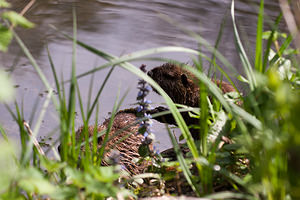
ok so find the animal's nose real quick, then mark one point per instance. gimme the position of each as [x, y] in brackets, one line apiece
[150, 73]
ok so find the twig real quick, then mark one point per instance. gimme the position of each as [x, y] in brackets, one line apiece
[178, 182]
[35, 142]
[290, 21]
[39, 148]
[26, 8]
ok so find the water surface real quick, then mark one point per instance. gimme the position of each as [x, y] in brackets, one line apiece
[117, 27]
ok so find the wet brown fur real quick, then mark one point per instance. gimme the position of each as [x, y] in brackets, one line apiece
[181, 85]
[182, 88]
[128, 148]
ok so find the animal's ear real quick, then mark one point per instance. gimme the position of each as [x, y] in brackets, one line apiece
[184, 80]
[99, 140]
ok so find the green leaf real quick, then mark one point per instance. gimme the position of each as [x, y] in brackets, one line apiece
[4, 4]
[217, 127]
[291, 52]
[17, 19]
[7, 91]
[65, 193]
[267, 34]
[32, 180]
[243, 79]
[228, 195]
[144, 150]
[51, 165]
[104, 173]
[74, 177]
[181, 137]
[5, 37]
[231, 147]
[8, 167]
[242, 53]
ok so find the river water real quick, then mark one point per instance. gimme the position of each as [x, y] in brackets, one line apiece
[117, 27]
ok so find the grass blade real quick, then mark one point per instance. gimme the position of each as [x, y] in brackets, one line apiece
[283, 47]
[203, 42]
[219, 37]
[34, 110]
[259, 40]
[35, 66]
[109, 126]
[72, 97]
[91, 85]
[3, 133]
[54, 74]
[139, 55]
[270, 40]
[246, 64]
[99, 93]
[186, 171]
[32, 139]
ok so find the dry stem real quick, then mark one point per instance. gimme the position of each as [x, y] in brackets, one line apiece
[35, 142]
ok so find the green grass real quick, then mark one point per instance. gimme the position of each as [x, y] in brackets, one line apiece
[261, 163]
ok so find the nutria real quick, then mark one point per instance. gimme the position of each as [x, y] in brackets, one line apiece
[181, 85]
[126, 143]
[182, 88]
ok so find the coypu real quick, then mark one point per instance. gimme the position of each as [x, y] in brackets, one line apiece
[182, 88]
[181, 85]
[126, 143]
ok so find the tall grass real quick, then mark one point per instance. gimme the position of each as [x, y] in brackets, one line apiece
[264, 129]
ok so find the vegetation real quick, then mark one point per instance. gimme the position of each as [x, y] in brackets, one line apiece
[260, 163]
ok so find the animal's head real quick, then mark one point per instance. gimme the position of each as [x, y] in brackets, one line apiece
[175, 81]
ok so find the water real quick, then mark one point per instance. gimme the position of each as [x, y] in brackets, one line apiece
[116, 27]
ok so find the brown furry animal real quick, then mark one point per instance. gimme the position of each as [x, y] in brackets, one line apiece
[181, 85]
[182, 88]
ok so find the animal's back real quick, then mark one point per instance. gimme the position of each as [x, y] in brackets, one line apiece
[123, 137]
